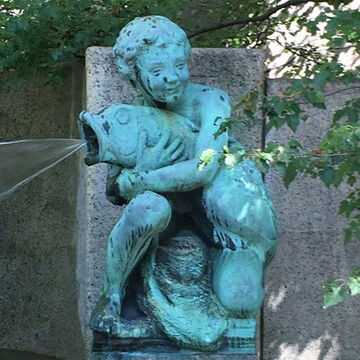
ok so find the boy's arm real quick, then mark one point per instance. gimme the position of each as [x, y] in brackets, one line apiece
[112, 191]
[184, 176]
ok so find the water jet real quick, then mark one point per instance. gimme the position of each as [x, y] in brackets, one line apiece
[22, 160]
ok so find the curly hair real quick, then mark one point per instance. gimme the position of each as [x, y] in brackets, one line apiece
[142, 33]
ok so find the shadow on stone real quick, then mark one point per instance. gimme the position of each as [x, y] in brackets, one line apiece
[21, 355]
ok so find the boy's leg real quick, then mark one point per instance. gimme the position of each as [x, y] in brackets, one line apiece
[143, 219]
[245, 227]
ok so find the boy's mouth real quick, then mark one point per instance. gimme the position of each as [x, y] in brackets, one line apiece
[172, 91]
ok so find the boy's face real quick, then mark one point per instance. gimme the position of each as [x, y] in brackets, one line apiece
[164, 72]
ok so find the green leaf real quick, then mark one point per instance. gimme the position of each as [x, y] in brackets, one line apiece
[321, 78]
[318, 97]
[278, 107]
[356, 273]
[338, 178]
[315, 97]
[351, 180]
[294, 144]
[353, 115]
[334, 295]
[290, 174]
[226, 150]
[230, 161]
[347, 236]
[327, 176]
[268, 157]
[206, 158]
[281, 167]
[239, 149]
[271, 146]
[261, 164]
[354, 285]
[293, 121]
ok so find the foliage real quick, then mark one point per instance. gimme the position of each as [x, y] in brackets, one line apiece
[337, 158]
[335, 161]
[40, 35]
[336, 290]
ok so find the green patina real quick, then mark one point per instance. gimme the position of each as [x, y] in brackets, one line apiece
[192, 247]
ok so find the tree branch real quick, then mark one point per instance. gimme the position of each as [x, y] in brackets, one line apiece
[341, 90]
[259, 18]
[333, 93]
[305, 54]
[291, 59]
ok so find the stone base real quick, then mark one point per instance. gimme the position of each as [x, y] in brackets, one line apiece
[153, 346]
[239, 339]
[183, 355]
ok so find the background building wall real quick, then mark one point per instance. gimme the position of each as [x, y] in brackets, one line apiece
[40, 257]
[311, 251]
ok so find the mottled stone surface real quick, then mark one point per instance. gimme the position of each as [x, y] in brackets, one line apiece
[41, 309]
[311, 251]
[235, 71]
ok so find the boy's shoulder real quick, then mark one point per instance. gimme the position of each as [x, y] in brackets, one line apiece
[205, 93]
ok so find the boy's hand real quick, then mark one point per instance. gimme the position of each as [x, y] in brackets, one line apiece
[129, 184]
[164, 153]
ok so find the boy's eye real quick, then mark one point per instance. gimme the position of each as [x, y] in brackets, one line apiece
[180, 65]
[156, 72]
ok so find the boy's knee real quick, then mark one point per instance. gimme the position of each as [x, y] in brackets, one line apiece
[238, 282]
[244, 301]
[151, 208]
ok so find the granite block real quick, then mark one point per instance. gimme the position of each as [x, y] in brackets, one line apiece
[175, 356]
[235, 71]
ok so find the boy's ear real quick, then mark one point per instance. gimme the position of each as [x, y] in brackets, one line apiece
[118, 63]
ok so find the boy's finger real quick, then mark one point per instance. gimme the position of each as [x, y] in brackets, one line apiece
[164, 139]
[142, 140]
[176, 154]
[172, 147]
[141, 146]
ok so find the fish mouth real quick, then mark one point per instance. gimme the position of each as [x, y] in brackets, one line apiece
[88, 134]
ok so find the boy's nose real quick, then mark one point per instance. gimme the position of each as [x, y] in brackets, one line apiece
[171, 76]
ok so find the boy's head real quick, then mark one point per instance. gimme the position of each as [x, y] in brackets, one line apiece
[141, 35]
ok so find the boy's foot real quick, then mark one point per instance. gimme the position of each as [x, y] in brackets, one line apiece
[106, 315]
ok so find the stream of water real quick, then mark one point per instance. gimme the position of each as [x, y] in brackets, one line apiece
[22, 160]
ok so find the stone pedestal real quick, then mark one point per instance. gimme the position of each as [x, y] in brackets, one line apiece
[235, 71]
[168, 356]
[239, 340]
